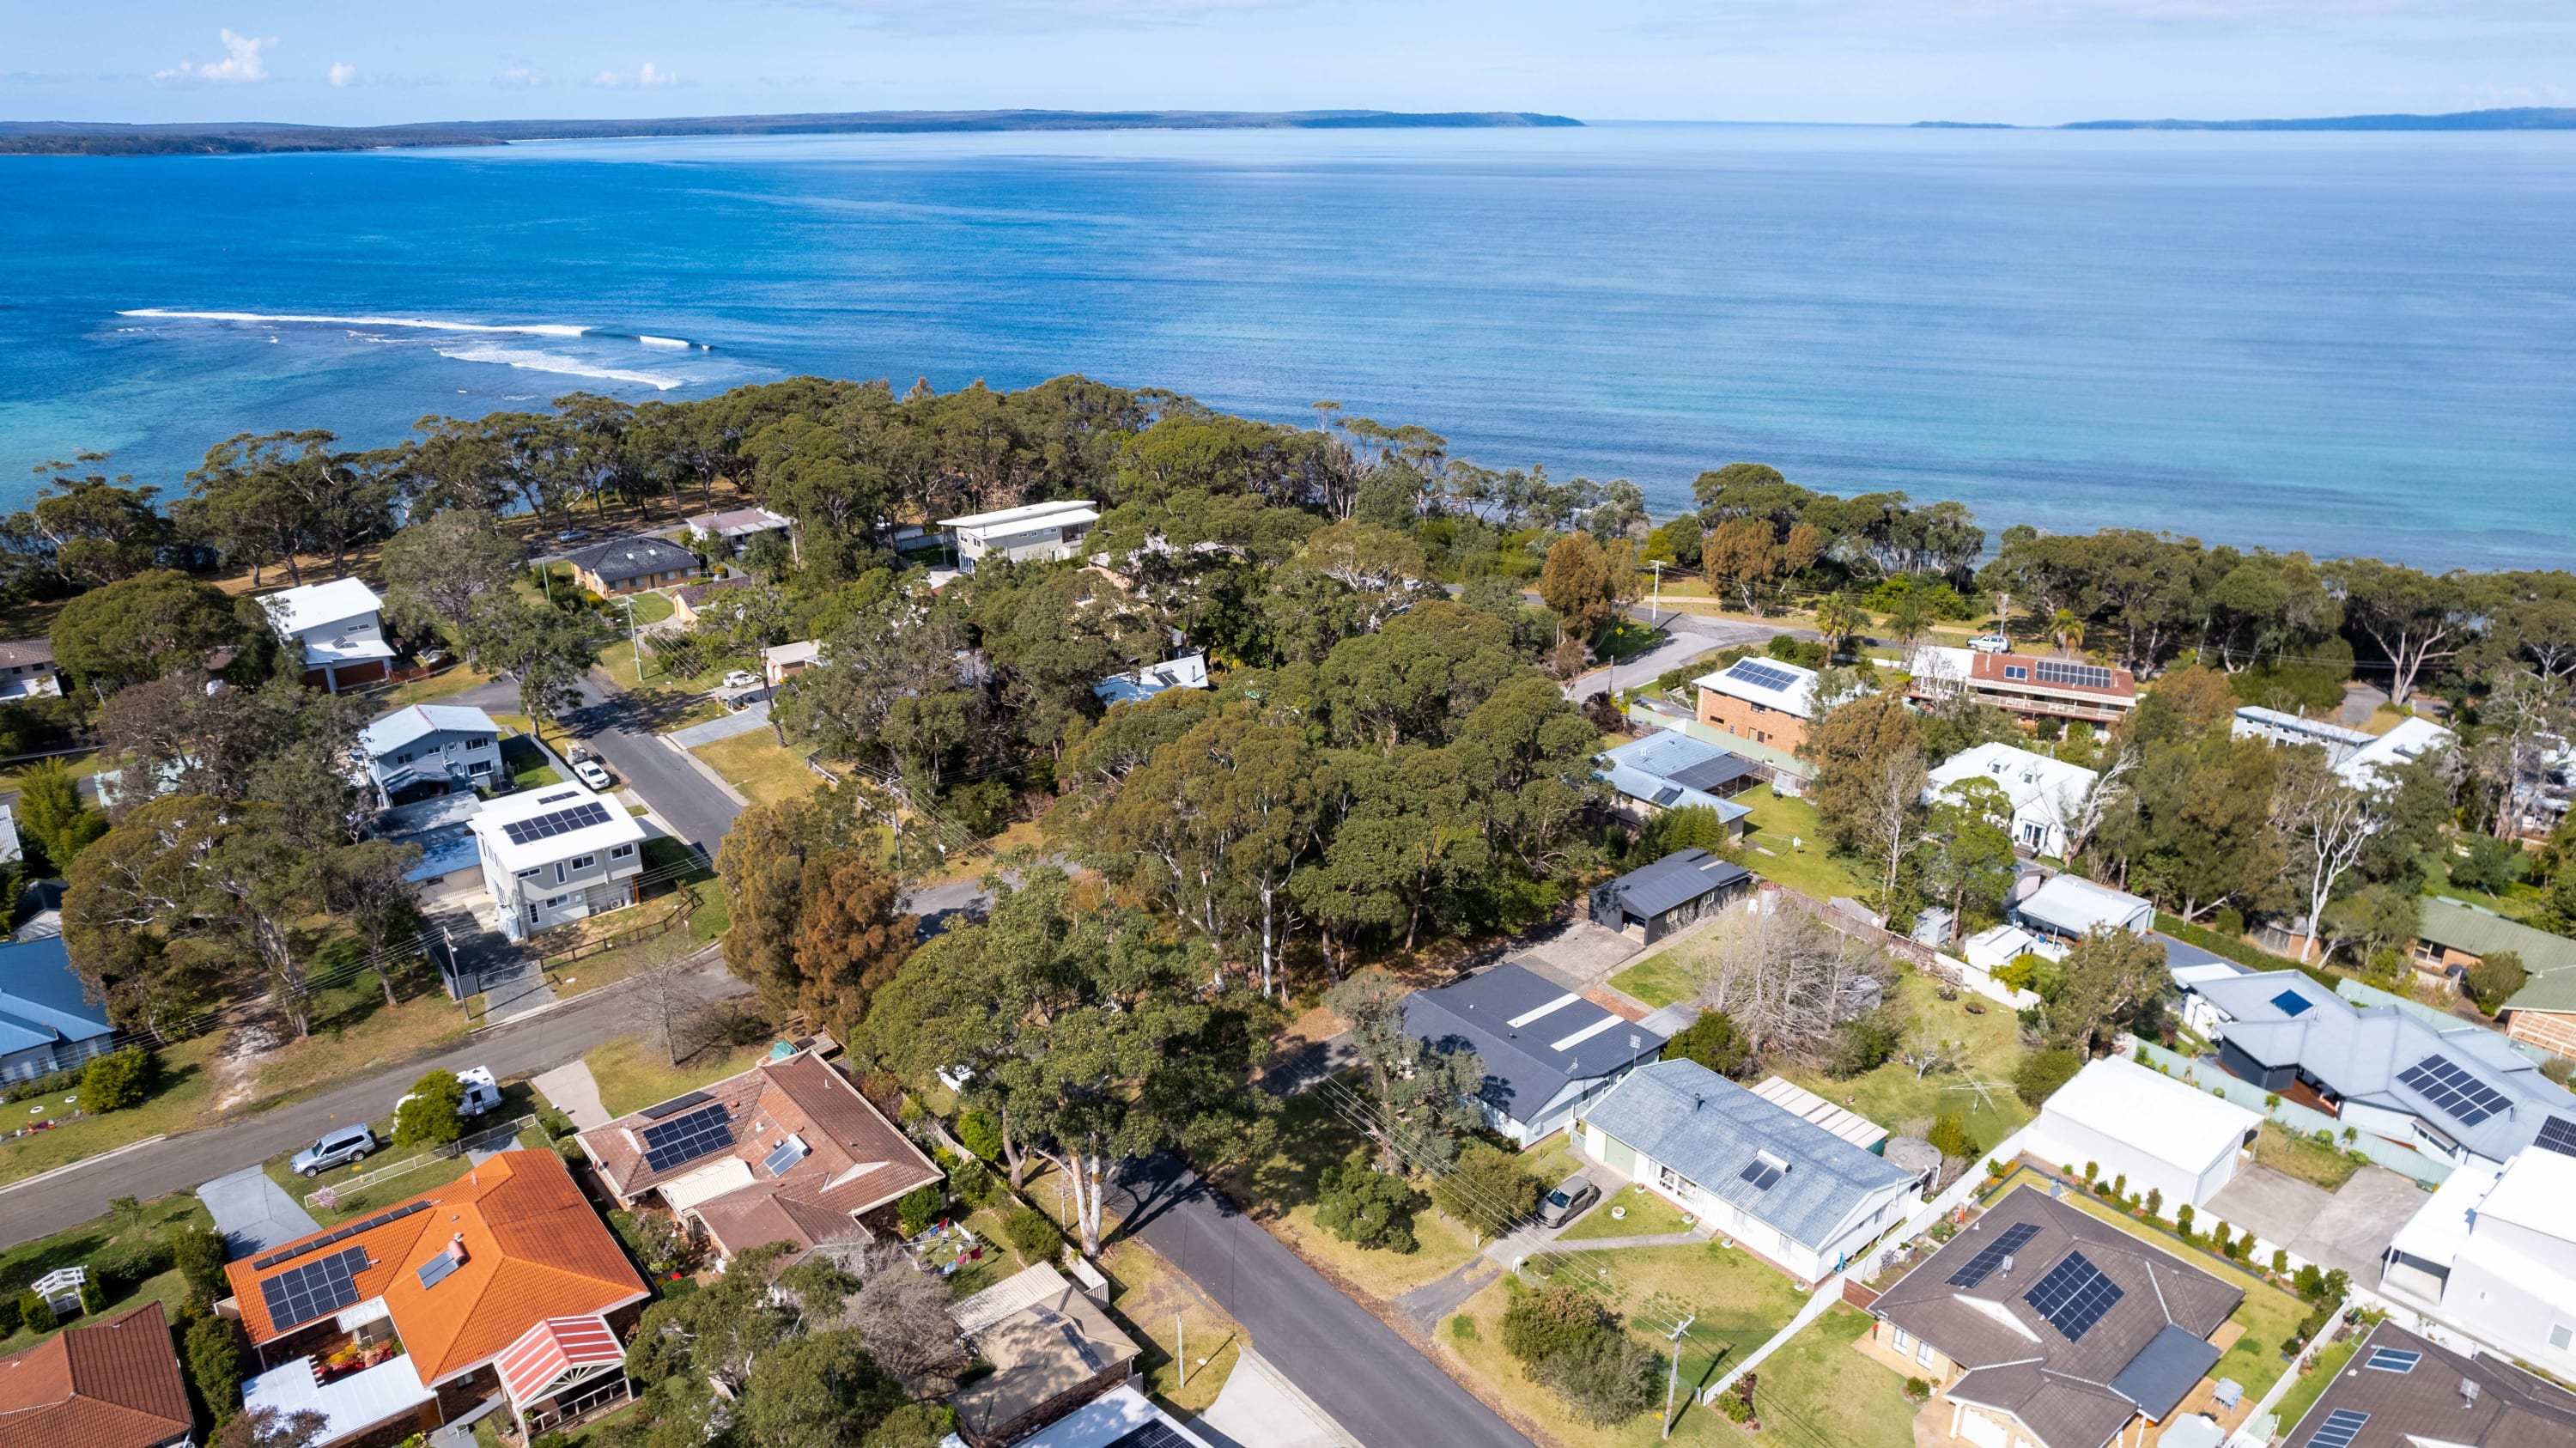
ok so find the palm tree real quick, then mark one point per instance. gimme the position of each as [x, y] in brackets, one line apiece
[2068, 629]
[1837, 619]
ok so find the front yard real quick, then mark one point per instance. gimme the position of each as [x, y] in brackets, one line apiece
[1646, 1215]
[180, 1104]
[757, 764]
[1820, 1390]
[633, 1075]
[1312, 1138]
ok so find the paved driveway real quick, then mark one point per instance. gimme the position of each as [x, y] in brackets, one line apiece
[696, 808]
[1689, 637]
[1382, 1390]
[2348, 1228]
[755, 716]
[253, 1212]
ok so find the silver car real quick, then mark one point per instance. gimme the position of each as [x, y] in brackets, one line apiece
[1567, 1202]
[335, 1148]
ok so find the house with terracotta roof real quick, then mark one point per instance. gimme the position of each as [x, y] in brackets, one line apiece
[400, 1321]
[108, 1384]
[788, 1151]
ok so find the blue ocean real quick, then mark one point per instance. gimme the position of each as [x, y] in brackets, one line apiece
[2347, 343]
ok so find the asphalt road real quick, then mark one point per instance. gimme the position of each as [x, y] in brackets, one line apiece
[182, 1162]
[1370, 1379]
[1689, 636]
[609, 723]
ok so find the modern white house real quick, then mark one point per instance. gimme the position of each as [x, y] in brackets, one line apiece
[430, 749]
[2046, 794]
[2129, 1121]
[2494, 1253]
[555, 855]
[2358, 755]
[337, 627]
[1781, 1186]
[726, 534]
[1043, 532]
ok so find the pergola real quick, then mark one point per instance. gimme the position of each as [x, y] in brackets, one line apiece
[561, 1370]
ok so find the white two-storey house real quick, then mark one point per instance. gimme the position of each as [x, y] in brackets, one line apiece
[555, 855]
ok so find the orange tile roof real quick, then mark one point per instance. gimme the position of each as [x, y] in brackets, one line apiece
[110, 1384]
[533, 1249]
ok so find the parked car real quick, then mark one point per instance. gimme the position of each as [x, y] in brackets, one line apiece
[482, 1092]
[589, 772]
[1991, 644]
[1567, 1202]
[741, 679]
[335, 1148]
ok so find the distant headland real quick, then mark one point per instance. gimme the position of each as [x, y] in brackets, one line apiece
[2518, 118]
[86, 138]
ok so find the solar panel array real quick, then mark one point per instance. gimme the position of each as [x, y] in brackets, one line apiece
[683, 1139]
[2394, 1360]
[1762, 1174]
[342, 1235]
[2558, 1134]
[676, 1103]
[1152, 1435]
[2338, 1429]
[2293, 1004]
[2059, 671]
[317, 1289]
[1992, 1255]
[2446, 1084]
[435, 1270]
[2073, 1296]
[561, 822]
[1763, 676]
[785, 1155]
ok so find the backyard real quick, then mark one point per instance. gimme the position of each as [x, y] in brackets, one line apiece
[99, 1241]
[1784, 843]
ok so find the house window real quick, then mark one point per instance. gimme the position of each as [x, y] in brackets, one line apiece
[480, 766]
[1904, 1340]
[584, 862]
[532, 913]
[2561, 1336]
[1922, 1352]
[403, 758]
[530, 873]
[560, 876]
[622, 852]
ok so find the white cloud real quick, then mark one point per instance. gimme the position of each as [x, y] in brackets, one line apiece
[647, 76]
[343, 73]
[521, 75]
[244, 60]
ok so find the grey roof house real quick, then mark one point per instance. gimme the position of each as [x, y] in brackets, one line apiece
[2455, 1095]
[1650, 903]
[1670, 770]
[2043, 1321]
[430, 749]
[2401, 1390]
[629, 565]
[1774, 1182]
[1546, 1050]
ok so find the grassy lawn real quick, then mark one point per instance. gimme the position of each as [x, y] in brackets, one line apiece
[2518, 902]
[163, 1217]
[1623, 640]
[2312, 1384]
[755, 764]
[1739, 1304]
[632, 1076]
[1805, 866]
[2267, 1314]
[1819, 1384]
[376, 1196]
[649, 608]
[2301, 1157]
[1648, 1215]
[366, 1033]
[1893, 1097]
[529, 765]
[1659, 980]
[1311, 1138]
[187, 1089]
[437, 686]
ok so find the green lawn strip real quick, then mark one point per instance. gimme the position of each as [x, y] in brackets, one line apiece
[1804, 866]
[1894, 1097]
[757, 765]
[95, 1240]
[632, 1075]
[1648, 1215]
[1821, 1390]
[438, 686]
[2297, 1156]
[1659, 980]
[179, 1104]
[2312, 1384]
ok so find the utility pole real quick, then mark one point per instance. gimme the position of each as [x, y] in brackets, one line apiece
[634, 640]
[1181, 1347]
[1673, 1377]
[1655, 608]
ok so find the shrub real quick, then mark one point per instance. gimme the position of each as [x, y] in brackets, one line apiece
[1918, 1388]
[215, 1352]
[1713, 1041]
[1737, 1408]
[1366, 1207]
[2182, 1219]
[1033, 1235]
[93, 1293]
[555, 1124]
[2494, 980]
[119, 1079]
[980, 1134]
[9, 1306]
[1998, 1169]
[1605, 1379]
[971, 1180]
[35, 1313]
[2155, 1201]
[2280, 1260]
[1691, 827]
[2091, 1170]
[199, 1254]
[918, 1208]
[2042, 1072]
[1541, 1324]
[430, 1114]
[1949, 1136]
[1862, 1045]
[132, 1265]
[1487, 1189]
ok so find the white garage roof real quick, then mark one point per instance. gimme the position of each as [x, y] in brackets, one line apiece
[2153, 1112]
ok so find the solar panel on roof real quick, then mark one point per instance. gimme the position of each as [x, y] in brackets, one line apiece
[300, 1294]
[559, 798]
[2449, 1086]
[2073, 1296]
[1763, 676]
[1762, 1174]
[684, 1139]
[2338, 1429]
[435, 1270]
[676, 1103]
[2393, 1360]
[2059, 671]
[1978, 1268]
[353, 1229]
[2293, 1004]
[561, 822]
[1152, 1435]
[784, 1155]
[2558, 1134]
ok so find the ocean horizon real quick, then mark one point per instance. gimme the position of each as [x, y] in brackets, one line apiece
[2341, 342]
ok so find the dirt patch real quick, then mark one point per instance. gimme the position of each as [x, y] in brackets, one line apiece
[247, 1048]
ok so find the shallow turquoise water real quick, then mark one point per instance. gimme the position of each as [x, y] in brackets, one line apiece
[2342, 342]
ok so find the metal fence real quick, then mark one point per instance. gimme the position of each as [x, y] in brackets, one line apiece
[479, 1141]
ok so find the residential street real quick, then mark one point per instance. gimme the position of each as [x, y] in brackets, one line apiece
[182, 1162]
[1689, 637]
[698, 811]
[1377, 1385]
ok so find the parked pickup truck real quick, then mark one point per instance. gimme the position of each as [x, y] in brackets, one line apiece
[482, 1093]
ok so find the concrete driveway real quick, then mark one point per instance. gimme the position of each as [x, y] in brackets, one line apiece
[2348, 1228]
[253, 1212]
[1687, 637]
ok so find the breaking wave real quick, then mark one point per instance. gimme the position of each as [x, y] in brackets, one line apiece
[535, 361]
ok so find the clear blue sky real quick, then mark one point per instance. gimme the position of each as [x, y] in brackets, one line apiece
[2030, 61]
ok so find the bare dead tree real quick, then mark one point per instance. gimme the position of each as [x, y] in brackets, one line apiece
[1785, 979]
[660, 996]
[1892, 815]
[901, 1313]
[2108, 790]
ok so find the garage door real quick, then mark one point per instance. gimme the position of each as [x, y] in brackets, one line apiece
[1982, 1431]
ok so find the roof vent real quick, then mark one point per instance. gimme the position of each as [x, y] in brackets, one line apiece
[2468, 1393]
[2006, 1265]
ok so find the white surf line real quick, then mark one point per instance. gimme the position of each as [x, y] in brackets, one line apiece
[534, 329]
